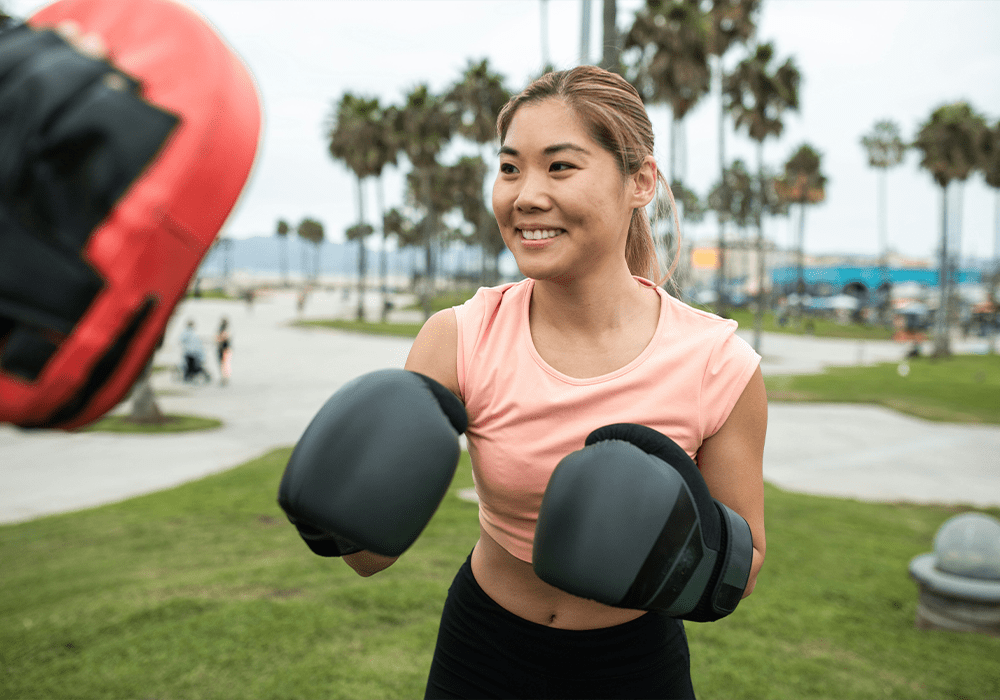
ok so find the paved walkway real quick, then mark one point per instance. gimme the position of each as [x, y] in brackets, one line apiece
[282, 375]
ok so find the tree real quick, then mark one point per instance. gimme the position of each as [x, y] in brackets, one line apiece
[144, 408]
[732, 22]
[425, 124]
[611, 39]
[885, 149]
[736, 199]
[312, 231]
[991, 173]
[281, 231]
[477, 99]
[358, 233]
[466, 182]
[732, 198]
[668, 63]
[757, 96]
[951, 146]
[405, 231]
[668, 44]
[362, 139]
[803, 184]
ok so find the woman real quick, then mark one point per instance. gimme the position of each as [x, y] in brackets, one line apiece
[584, 341]
[224, 351]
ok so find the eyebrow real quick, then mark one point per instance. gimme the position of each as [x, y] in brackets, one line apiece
[550, 150]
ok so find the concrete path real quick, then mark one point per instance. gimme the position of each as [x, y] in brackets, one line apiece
[282, 375]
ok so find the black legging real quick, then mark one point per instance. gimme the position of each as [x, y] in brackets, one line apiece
[485, 651]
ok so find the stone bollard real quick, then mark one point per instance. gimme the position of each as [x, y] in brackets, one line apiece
[960, 581]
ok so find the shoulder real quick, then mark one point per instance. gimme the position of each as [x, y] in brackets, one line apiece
[683, 313]
[434, 352]
[486, 300]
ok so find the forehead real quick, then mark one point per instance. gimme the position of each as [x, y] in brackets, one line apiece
[538, 125]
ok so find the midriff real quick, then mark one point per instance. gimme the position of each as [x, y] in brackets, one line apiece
[513, 585]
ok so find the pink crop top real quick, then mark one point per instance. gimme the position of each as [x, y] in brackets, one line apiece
[524, 416]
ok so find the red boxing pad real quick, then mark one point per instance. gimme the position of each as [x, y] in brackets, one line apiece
[121, 173]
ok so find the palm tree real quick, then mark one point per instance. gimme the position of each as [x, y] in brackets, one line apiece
[282, 233]
[477, 100]
[670, 62]
[312, 231]
[732, 198]
[991, 172]
[466, 184]
[803, 184]
[732, 22]
[757, 96]
[951, 144]
[611, 39]
[885, 149]
[402, 228]
[425, 124]
[358, 136]
[736, 199]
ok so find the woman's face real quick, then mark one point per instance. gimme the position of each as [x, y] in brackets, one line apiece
[561, 202]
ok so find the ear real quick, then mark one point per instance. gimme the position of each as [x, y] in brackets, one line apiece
[644, 183]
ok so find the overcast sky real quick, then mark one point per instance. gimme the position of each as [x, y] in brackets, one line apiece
[861, 61]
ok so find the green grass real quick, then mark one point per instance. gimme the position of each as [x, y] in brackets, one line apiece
[205, 591]
[445, 300]
[405, 330]
[216, 293]
[960, 389]
[821, 327]
[171, 423]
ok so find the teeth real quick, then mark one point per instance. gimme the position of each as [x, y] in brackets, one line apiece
[540, 234]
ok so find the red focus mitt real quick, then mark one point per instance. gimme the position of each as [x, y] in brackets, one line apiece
[115, 177]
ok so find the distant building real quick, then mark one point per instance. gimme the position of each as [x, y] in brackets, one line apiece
[861, 281]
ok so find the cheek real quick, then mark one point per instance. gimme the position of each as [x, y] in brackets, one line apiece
[501, 205]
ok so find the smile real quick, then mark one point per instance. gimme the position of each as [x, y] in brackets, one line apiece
[540, 234]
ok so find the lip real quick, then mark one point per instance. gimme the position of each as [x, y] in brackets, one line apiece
[519, 230]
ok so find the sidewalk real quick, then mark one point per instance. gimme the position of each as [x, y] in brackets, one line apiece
[282, 375]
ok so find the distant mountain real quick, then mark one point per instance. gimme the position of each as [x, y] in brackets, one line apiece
[264, 254]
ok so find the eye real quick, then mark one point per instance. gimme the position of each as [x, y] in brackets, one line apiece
[561, 167]
[507, 169]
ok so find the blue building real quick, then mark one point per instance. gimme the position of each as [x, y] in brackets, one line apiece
[861, 281]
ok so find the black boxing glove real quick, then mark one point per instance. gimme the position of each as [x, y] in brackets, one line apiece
[374, 464]
[628, 521]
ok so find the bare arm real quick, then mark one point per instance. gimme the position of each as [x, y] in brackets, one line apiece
[435, 354]
[732, 463]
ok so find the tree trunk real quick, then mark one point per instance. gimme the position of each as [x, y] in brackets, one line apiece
[144, 408]
[883, 229]
[800, 284]
[427, 289]
[612, 53]
[722, 298]
[383, 263]
[942, 343]
[284, 260]
[758, 320]
[361, 253]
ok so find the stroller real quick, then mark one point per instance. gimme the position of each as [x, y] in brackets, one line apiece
[192, 369]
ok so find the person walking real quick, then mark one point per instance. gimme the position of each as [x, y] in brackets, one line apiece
[224, 351]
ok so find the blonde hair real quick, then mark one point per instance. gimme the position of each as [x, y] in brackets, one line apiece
[614, 113]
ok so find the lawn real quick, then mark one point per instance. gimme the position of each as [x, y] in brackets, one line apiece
[205, 591]
[405, 330]
[959, 389]
[171, 423]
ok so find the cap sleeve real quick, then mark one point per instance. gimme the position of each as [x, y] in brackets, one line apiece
[730, 366]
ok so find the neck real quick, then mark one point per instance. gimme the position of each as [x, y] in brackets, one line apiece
[588, 305]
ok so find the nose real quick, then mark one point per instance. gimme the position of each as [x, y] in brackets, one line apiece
[532, 194]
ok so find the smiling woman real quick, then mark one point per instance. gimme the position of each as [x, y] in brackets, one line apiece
[569, 591]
